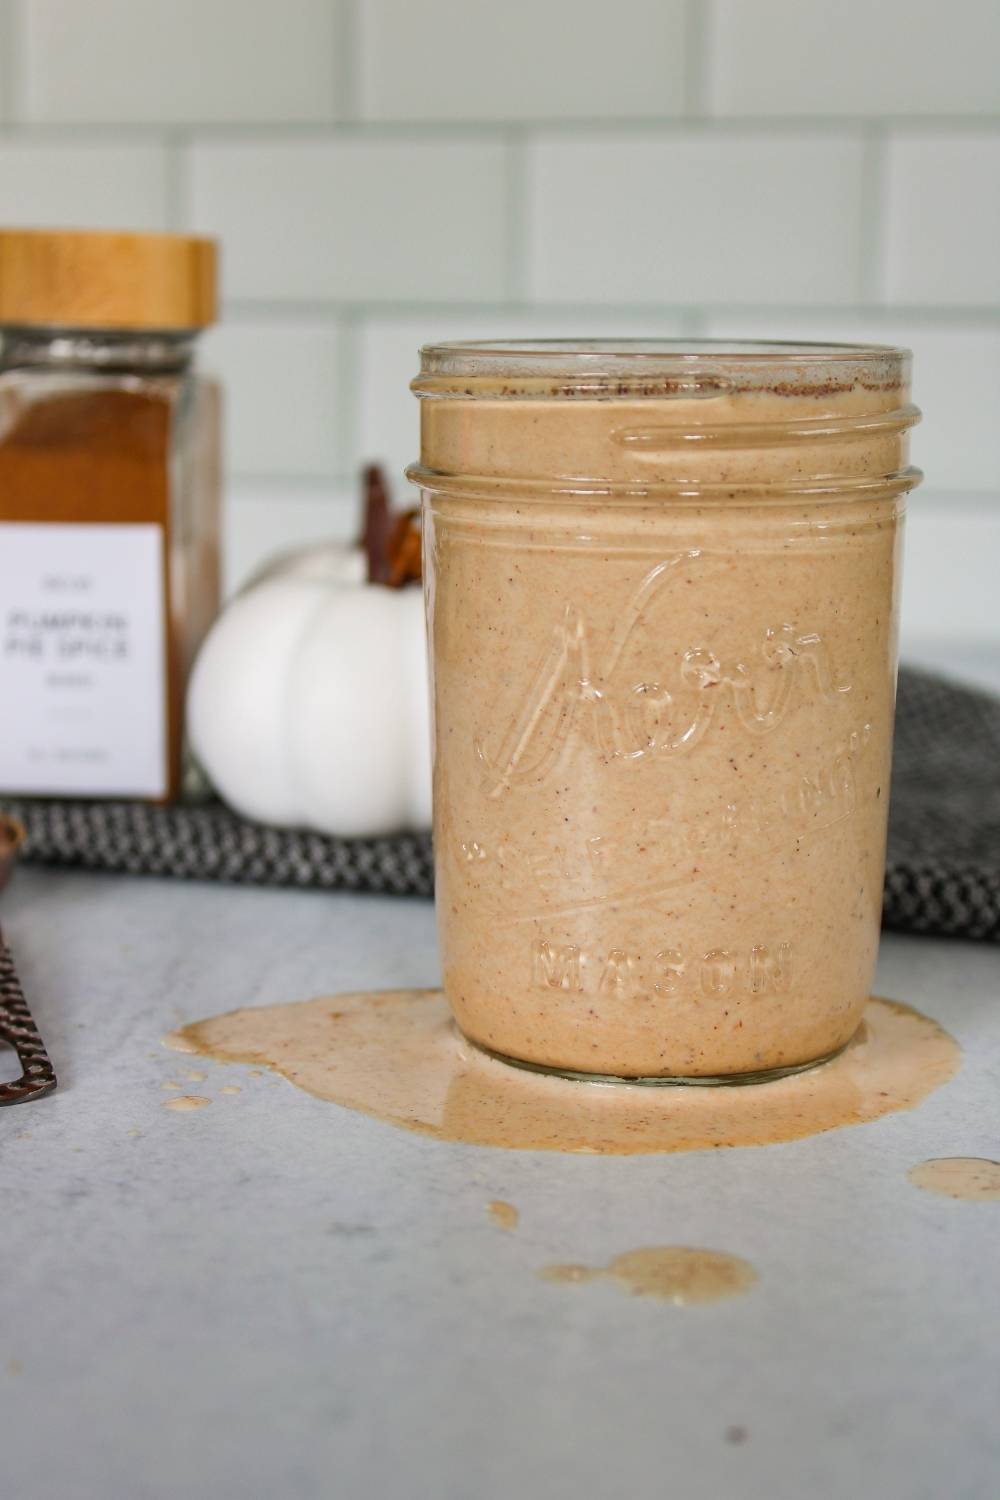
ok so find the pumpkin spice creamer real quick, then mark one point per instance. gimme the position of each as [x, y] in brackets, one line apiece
[109, 498]
[662, 586]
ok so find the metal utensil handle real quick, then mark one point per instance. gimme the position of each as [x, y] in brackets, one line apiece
[17, 1028]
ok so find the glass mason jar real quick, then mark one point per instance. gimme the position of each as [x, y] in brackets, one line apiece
[662, 590]
[109, 506]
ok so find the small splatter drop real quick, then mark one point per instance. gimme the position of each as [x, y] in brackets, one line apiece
[569, 1274]
[171, 1084]
[196, 1077]
[975, 1179]
[736, 1434]
[230, 1088]
[134, 1131]
[184, 1102]
[504, 1215]
[672, 1273]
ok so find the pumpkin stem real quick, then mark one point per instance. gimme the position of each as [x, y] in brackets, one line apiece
[376, 525]
[390, 542]
[404, 550]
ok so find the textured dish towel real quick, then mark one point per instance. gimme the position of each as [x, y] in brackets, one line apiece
[942, 876]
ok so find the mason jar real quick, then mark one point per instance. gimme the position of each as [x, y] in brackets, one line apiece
[662, 592]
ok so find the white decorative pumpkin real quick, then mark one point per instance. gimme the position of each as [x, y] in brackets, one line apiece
[308, 704]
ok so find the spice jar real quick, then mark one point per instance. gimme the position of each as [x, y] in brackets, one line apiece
[662, 592]
[109, 506]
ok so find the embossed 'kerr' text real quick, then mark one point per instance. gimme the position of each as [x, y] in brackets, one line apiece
[628, 721]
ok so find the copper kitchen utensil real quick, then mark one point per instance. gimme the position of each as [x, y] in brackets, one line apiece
[11, 839]
[17, 1029]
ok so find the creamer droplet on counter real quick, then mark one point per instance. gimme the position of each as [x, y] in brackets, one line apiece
[184, 1102]
[504, 1215]
[974, 1178]
[672, 1273]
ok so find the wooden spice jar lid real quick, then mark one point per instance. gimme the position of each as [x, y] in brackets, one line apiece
[95, 279]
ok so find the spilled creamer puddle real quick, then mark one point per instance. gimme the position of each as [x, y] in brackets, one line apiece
[973, 1178]
[673, 1273]
[396, 1055]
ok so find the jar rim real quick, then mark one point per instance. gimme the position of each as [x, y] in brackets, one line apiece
[652, 367]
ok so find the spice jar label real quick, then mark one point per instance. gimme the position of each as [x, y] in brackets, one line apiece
[82, 659]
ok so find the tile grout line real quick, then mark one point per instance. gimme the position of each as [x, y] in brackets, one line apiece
[90, 132]
[178, 181]
[347, 62]
[693, 322]
[698, 20]
[516, 215]
[350, 373]
[12, 64]
[874, 217]
[958, 317]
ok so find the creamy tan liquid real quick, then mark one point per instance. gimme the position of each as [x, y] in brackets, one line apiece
[670, 1273]
[662, 727]
[397, 1056]
[973, 1178]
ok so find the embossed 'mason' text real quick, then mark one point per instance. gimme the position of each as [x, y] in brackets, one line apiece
[763, 969]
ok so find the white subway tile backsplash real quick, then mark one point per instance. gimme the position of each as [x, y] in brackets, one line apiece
[871, 57]
[688, 218]
[281, 383]
[956, 383]
[261, 519]
[523, 59]
[390, 427]
[82, 186]
[525, 169]
[952, 556]
[943, 217]
[175, 61]
[371, 220]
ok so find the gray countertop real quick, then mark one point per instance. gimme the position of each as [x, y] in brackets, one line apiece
[276, 1298]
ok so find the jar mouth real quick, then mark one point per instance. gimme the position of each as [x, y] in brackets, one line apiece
[605, 368]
